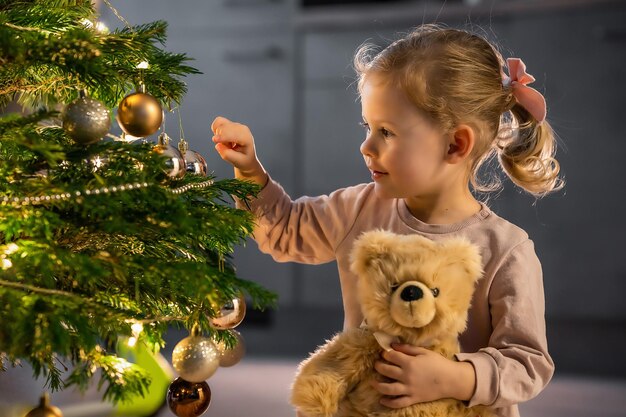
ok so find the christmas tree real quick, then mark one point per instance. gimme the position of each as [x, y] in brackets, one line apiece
[101, 238]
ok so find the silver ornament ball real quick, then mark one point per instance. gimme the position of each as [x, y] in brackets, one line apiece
[86, 120]
[175, 163]
[195, 358]
[195, 163]
[231, 314]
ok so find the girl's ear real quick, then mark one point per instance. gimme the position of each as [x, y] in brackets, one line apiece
[462, 140]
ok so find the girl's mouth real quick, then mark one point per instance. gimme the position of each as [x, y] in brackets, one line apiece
[376, 175]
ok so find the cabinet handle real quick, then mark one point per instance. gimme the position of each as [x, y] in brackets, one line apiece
[250, 3]
[271, 53]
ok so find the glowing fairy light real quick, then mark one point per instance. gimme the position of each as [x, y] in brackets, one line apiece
[102, 28]
[98, 26]
[6, 263]
[11, 248]
[136, 328]
[97, 163]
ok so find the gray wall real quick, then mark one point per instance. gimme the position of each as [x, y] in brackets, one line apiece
[286, 72]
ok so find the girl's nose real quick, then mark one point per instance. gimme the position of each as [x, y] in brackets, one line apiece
[367, 147]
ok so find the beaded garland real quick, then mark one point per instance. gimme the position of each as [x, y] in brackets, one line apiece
[18, 201]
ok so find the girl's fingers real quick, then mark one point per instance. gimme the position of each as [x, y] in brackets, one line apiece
[229, 154]
[390, 388]
[228, 144]
[235, 133]
[388, 370]
[402, 354]
[397, 402]
[218, 122]
[409, 349]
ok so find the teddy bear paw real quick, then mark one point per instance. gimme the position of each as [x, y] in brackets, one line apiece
[317, 395]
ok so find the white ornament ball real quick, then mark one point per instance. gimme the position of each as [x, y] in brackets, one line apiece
[195, 358]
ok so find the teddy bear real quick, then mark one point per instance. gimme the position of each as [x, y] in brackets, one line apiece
[411, 290]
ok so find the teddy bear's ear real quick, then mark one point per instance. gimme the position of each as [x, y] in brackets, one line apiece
[370, 250]
[463, 254]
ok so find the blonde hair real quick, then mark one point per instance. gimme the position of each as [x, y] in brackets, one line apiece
[454, 77]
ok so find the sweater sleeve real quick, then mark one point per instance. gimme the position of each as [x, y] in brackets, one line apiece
[307, 230]
[516, 366]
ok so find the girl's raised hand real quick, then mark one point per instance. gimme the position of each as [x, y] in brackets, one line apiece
[235, 144]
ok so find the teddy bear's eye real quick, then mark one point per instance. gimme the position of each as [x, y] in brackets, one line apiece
[435, 292]
[394, 287]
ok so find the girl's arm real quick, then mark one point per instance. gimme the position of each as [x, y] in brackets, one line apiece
[307, 230]
[516, 366]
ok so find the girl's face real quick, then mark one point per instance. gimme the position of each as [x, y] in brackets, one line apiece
[403, 150]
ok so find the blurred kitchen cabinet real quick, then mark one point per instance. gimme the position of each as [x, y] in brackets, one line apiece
[210, 16]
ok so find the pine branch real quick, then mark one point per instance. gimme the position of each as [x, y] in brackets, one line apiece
[39, 61]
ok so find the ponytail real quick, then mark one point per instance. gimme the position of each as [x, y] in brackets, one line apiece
[526, 153]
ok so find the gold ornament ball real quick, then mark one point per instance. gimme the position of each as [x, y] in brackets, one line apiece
[188, 399]
[45, 409]
[139, 114]
[230, 357]
[231, 314]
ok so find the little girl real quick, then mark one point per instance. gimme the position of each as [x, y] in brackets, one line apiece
[436, 105]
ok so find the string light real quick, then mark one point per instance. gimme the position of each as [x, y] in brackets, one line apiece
[136, 328]
[38, 200]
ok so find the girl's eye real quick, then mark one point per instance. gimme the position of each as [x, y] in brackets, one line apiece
[365, 126]
[385, 132]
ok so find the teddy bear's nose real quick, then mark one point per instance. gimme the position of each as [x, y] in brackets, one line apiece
[411, 293]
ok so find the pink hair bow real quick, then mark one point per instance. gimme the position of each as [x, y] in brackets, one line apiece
[527, 97]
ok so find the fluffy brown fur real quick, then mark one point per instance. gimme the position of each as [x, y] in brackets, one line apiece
[334, 380]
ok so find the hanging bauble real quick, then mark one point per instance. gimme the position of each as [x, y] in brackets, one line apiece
[175, 163]
[44, 409]
[86, 120]
[194, 162]
[231, 314]
[195, 358]
[139, 114]
[188, 399]
[231, 356]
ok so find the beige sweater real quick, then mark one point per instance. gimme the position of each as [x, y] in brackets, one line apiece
[506, 337]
